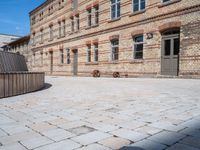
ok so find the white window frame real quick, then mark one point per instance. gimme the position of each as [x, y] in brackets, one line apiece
[89, 53]
[115, 3]
[96, 49]
[89, 14]
[68, 56]
[112, 50]
[96, 15]
[139, 6]
[134, 45]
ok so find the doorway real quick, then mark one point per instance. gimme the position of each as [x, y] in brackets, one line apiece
[170, 52]
[51, 62]
[75, 62]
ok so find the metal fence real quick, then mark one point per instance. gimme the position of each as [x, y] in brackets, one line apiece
[12, 84]
[12, 62]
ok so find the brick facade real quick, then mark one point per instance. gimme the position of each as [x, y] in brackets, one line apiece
[153, 20]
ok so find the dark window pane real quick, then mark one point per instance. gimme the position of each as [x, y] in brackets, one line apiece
[139, 47]
[139, 39]
[113, 11]
[166, 1]
[118, 9]
[138, 55]
[142, 5]
[176, 46]
[167, 47]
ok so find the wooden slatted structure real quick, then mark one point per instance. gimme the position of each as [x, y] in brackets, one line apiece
[15, 78]
[12, 62]
[17, 83]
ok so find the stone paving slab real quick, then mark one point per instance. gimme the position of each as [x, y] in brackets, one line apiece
[57, 134]
[62, 145]
[91, 137]
[103, 113]
[36, 142]
[114, 142]
[14, 146]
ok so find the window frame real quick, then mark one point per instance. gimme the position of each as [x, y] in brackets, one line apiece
[51, 32]
[96, 52]
[89, 54]
[89, 17]
[139, 6]
[116, 12]
[61, 56]
[113, 50]
[96, 15]
[134, 47]
[68, 56]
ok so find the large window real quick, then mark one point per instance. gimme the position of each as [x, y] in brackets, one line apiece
[72, 24]
[59, 29]
[88, 53]
[96, 52]
[61, 56]
[63, 28]
[77, 23]
[138, 5]
[138, 47]
[51, 32]
[115, 9]
[89, 11]
[33, 39]
[74, 4]
[41, 55]
[115, 49]
[68, 55]
[96, 14]
[41, 36]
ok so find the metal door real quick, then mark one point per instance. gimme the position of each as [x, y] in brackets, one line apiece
[170, 55]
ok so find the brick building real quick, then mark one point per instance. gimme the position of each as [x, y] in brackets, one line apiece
[127, 38]
[21, 46]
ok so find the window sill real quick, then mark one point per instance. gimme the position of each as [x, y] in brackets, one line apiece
[137, 13]
[91, 63]
[113, 20]
[113, 62]
[61, 64]
[92, 26]
[168, 3]
[135, 61]
[61, 37]
[50, 40]
[73, 32]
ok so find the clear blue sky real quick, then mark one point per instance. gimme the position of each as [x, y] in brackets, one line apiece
[14, 16]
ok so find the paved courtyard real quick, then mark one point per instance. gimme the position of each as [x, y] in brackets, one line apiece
[104, 114]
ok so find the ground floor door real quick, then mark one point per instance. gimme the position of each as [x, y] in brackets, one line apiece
[170, 54]
[75, 62]
[51, 62]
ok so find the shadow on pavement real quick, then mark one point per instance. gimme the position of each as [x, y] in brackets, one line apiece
[46, 86]
[131, 148]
